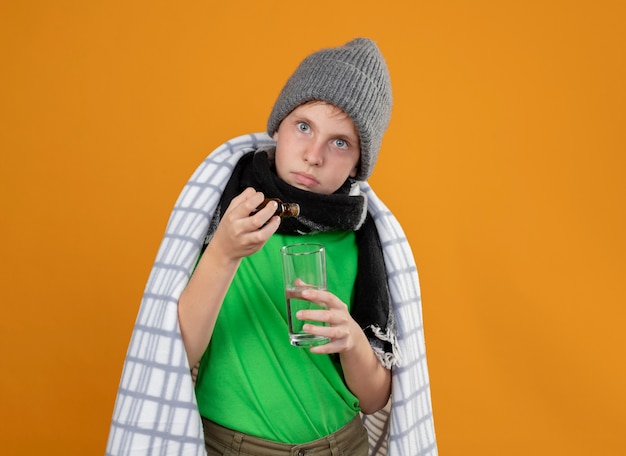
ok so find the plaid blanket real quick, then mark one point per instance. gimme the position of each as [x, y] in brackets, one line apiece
[156, 411]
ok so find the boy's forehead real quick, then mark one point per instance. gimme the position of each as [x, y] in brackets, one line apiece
[332, 110]
[323, 103]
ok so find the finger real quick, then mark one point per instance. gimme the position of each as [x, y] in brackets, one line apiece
[261, 217]
[324, 298]
[269, 227]
[242, 204]
[323, 316]
[328, 348]
[337, 337]
[299, 282]
[250, 200]
[332, 332]
[244, 196]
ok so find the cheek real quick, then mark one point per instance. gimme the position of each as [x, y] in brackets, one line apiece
[281, 166]
[352, 164]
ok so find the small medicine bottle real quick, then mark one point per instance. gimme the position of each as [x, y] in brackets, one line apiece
[283, 209]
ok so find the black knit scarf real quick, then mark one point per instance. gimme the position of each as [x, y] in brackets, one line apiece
[340, 211]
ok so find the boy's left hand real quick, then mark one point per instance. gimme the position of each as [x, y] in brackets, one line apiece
[366, 377]
[344, 333]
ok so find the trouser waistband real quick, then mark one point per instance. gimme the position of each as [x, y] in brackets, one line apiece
[243, 444]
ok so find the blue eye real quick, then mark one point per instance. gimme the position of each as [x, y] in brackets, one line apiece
[303, 127]
[341, 143]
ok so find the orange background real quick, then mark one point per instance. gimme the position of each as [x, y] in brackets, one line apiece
[504, 162]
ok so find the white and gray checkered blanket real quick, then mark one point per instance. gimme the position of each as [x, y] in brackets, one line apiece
[156, 412]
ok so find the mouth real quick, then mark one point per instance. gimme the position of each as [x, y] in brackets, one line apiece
[305, 179]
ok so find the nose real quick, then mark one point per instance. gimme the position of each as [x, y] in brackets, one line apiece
[314, 153]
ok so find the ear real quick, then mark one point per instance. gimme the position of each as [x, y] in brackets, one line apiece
[275, 136]
[354, 171]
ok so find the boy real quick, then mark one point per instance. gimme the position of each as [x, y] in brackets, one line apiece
[256, 393]
[327, 123]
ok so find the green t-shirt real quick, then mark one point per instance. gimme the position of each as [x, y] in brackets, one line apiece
[251, 378]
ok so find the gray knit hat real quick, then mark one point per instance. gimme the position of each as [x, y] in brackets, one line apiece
[353, 77]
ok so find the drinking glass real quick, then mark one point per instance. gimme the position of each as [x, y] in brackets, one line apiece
[304, 267]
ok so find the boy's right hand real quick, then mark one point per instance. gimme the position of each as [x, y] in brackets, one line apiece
[240, 234]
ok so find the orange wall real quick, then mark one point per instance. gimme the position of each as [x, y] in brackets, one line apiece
[504, 162]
